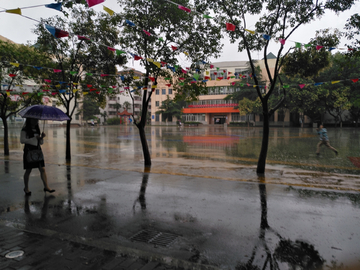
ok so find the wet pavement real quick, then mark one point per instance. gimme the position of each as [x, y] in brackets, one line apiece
[201, 204]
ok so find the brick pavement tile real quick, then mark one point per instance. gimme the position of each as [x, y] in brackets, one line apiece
[25, 267]
[126, 264]
[150, 266]
[136, 266]
[113, 263]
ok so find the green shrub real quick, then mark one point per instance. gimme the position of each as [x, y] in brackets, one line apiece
[113, 121]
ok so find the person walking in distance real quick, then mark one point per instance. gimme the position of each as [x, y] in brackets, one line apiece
[323, 140]
[31, 137]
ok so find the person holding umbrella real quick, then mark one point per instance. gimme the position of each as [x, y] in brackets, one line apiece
[30, 136]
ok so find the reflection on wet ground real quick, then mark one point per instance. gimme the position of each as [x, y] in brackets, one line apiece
[202, 188]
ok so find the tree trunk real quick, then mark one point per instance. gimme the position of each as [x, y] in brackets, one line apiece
[265, 143]
[68, 149]
[6, 137]
[144, 144]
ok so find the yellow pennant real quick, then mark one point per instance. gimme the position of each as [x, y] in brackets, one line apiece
[108, 10]
[8, 94]
[85, 93]
[153, 86]
[14, 11]
[157, 64]
[254, 85]
[58, 85]
[250, 31]
[75, 90]
[15, 64]
[150, 60]
[333, 82]
[75, 83]
[186, 53]
[207, 72]
[136, 77]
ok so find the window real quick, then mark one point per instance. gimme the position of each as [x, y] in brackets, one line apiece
[163, 91]
[157, 103]
[170, 91]
[157, 117]
[239, 72]
[157, 91]
[76, 117]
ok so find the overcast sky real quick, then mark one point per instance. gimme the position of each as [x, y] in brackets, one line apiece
[19, 29]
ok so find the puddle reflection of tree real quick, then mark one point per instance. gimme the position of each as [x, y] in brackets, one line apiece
[30, 220]
[6, 166]
[297, 254]
[141, 199]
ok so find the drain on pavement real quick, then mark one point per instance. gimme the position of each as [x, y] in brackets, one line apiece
[154, 237]
[14, 254]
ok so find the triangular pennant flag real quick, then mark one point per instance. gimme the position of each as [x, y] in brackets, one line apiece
[230, 27]
[181, 78]
[297, 44]
[211, 66]
[14, 11]
[206, 16]
[181, 83]
[38, 68]
[89, 74]
[153, 86]
[119, 52]
[57, 70]
[136, 77]
[111, 49]
[108, 10]
[47, 80]
[233, 83]
[184, 8]
[173, 48]
[75, 90]
[12, 75]
[82, 37]
[104, 75]
[73, 72]
[196, 76]
[15, 64]
[301, 86]
[89, 85]
[152, 79]
[319, 83]
[85, 93]
[150, 60]
[130, 23]
[286, 86]
[157, 64]
[318, 47]
[161, 39]
[183, 71]
[136, 57]
[282, 41]
[355, 80]
[56, 6]
[307, 45]
[331, 48]
[250, 31]
[94, 2]
[168, 84]
[58, 33]
[147, 33]
[186, 53]
[333, 82]
[267, 37]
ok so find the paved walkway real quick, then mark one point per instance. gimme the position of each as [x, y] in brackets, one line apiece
[44, 252]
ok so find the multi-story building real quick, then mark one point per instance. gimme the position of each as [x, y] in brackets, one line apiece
[212, 108]
[116, 105]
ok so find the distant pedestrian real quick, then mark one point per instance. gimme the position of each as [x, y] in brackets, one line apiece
[323, 140]
[31, 137]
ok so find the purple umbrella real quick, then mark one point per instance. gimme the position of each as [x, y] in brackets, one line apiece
[43, 112]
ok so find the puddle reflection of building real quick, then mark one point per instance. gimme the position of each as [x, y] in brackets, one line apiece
[141, 199]
[296, 254]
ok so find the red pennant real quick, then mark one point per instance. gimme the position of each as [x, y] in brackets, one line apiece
[97, 92]
[220, 78]
[181, 78]
[168, 85]
[12, 75]
[230, 27]
[92, 89]
[211, 66]
[163, 63]
[47, 80]
[25, 93]
[207, 78]
[152, 79]
[111, 49]
[89, 85]
[136, 57]
[173, 48]
[215, 73]
[104, 75]
[301, 86]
